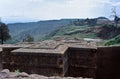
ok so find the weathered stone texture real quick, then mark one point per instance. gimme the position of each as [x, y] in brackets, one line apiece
[80, 62]
[65, 58]
[44, 64]
[108, 62]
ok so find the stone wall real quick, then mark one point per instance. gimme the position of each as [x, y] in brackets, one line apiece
[100, 63]
[0, 59]
[80, 62]
[6, 56]
[44, 64]
[108, 62]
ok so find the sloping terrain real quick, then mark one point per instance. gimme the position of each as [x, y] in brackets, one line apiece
[108, 33]
[36, 29]
[74, 31]
[42, 28]
[96, 28]
[113, 41]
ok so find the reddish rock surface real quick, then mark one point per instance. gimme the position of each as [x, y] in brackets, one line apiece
[6, 74]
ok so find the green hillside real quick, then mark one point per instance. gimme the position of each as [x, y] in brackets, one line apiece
[113, 41]
[110, 34]
[72, 31]
[41, 29]
[95, 28]
[36, 29]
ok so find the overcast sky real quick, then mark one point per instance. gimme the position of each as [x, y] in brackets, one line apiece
[35, 10]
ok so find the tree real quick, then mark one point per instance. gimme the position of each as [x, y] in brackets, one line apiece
[116, 17]
[90, 22]
[28, 38]
[4, 32]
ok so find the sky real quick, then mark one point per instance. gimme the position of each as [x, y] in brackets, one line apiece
[12, 11]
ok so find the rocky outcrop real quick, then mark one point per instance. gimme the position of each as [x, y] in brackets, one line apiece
[6, 74]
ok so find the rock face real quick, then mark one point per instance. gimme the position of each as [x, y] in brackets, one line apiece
[6, 74]
[81, 62]
[108, 66]
[46, 57]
